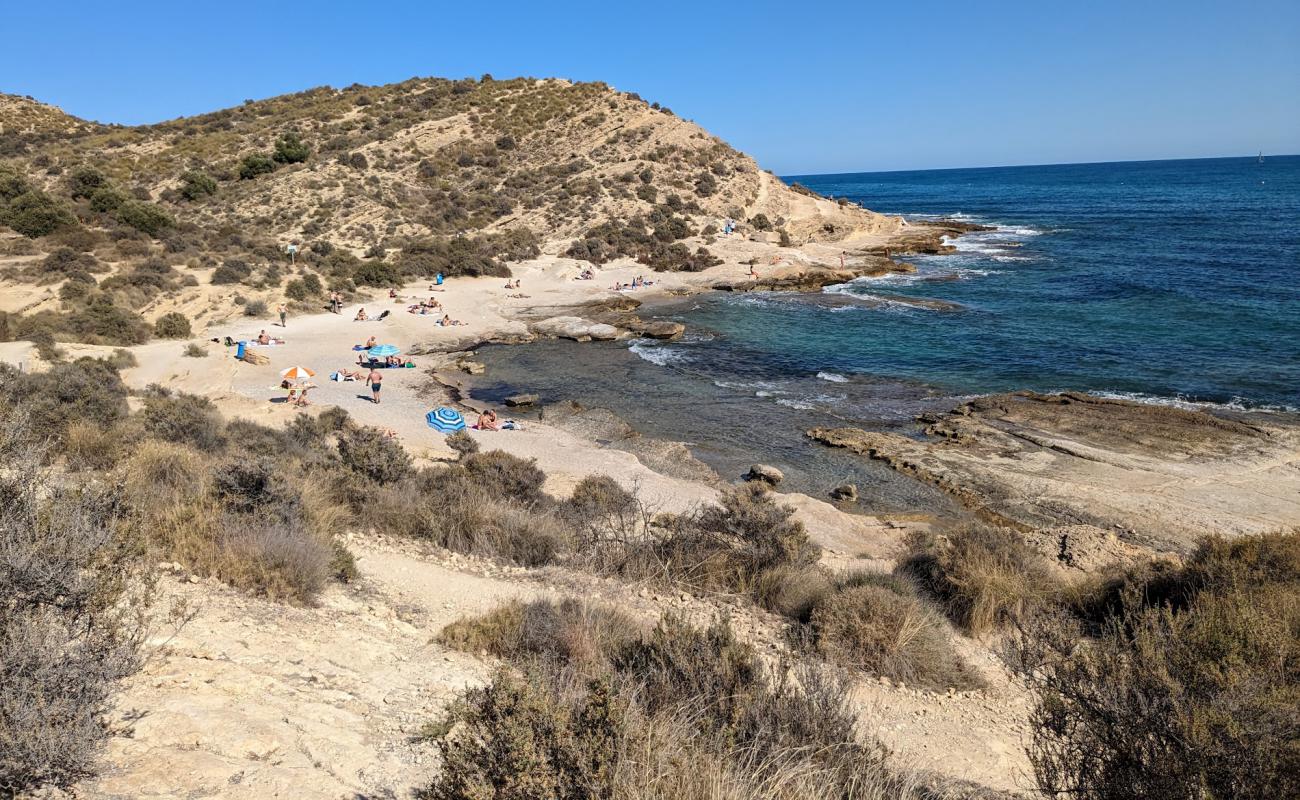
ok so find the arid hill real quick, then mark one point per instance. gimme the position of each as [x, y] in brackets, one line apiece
[373, 185]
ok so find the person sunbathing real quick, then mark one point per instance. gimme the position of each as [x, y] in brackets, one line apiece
[370, 342]
[393, 361]
[351, 374]
[487, 421]
[361, 316]
[265, 338]
[448, 321]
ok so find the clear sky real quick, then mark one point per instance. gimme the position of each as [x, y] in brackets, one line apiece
[805, 87]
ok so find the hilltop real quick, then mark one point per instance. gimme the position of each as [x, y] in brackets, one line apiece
[374, 185]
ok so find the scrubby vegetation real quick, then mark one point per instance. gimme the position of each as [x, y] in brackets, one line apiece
[593, 707]
[71, 614]
[1182, 681]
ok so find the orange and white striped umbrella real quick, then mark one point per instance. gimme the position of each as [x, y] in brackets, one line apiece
[297, 373]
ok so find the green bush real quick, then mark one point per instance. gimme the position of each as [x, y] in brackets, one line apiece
[145, 217]
[100, 321]
[255, 164]
[196, 185]
[255, 308]
[173, 325]
[35, 214]
[377, 273]
[761, 222]
[107, 199]
[12, 183]
[232, 271]
[290, 149]
[84, 181]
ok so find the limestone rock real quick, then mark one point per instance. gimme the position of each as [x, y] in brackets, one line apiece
[846, 492]
[576, 328]
[516, 400]
[765, 473]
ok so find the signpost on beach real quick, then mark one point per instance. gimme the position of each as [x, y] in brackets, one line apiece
[292, 250]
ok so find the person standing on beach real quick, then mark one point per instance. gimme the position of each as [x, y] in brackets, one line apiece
[283, 312]
[375, 379]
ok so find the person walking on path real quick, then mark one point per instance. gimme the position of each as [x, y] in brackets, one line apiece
[375, 379]
[283, 312]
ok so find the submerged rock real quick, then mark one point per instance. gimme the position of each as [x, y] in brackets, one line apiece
[765, 473]
[846, 492]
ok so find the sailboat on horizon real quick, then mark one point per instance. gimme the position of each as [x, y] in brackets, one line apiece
[1261, 157]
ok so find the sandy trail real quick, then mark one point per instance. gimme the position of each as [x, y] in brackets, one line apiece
[255, 699]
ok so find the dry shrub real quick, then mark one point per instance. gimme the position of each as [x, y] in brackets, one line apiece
[274, 557]
[71, 617]
[160, 477]
[883, 632]
[184, 418]
[88, 446]
[1192, 691]
[677, 713]
[569, 632]
[463, 443]
[369, 452]
[793, 591]
[507, 476]
[488, 504]
[986, 577]
[726, 547]
[86, 389]
[242, 521]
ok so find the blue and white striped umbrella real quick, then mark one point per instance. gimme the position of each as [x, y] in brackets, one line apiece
[384, 350]
[445, 420]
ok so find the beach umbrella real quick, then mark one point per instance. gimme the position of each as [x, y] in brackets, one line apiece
[445, 420]
[384, 350]
[297, 373]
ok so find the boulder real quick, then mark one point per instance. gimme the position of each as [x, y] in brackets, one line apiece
[576, 328]
[765, 473]
[516, 400]
[473, 367]
[846, 492]
[661, 329]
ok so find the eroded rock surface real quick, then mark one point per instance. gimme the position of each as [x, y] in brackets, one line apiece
[1156, 475]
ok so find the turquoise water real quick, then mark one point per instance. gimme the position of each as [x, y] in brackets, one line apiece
[1169, 279]
[1174, 281]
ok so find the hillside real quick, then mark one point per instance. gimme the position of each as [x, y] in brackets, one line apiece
[374, 185]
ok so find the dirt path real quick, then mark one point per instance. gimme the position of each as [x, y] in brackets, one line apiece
[254, 699]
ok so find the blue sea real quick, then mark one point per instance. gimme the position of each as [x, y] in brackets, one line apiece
[1163, 281]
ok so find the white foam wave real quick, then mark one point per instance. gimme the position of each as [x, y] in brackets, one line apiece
[1235, 404]
[833, 377]
[659, 354]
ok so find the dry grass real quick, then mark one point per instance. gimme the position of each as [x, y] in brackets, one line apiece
[89, 446]
[675, 713]
[883, 632]
[985, 577]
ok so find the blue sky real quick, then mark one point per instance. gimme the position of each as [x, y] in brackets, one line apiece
[804, 87]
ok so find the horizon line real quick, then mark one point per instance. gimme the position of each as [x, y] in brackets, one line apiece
[783, 176]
